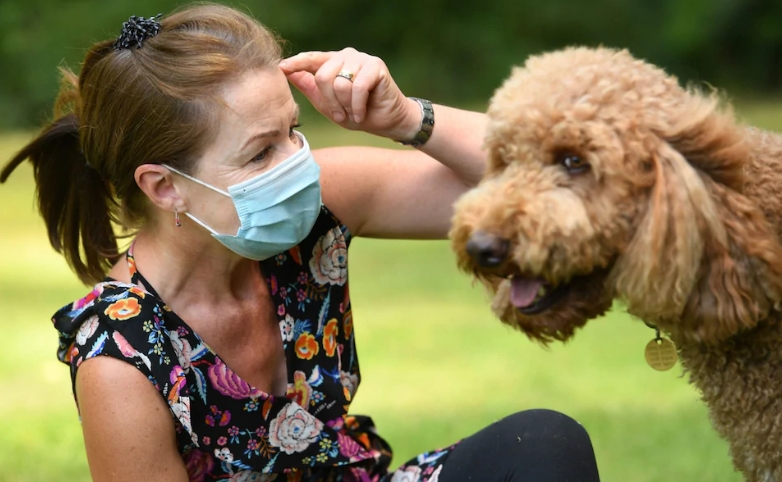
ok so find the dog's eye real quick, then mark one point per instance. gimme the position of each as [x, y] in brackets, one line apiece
[573, 163]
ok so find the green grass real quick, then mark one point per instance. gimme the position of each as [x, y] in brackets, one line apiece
[436, 365]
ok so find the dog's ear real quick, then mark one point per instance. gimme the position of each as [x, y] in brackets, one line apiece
[704, 263]
[739, 282]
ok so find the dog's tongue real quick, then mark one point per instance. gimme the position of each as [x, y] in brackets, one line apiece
[523, 291]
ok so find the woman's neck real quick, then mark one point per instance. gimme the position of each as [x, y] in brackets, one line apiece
[185, 266]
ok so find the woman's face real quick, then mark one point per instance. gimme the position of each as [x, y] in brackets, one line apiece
[255, 133]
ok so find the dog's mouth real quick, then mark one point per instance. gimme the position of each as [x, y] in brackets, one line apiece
[532, 296]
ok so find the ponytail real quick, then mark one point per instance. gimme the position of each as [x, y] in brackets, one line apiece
[76, 204]
[129, 107]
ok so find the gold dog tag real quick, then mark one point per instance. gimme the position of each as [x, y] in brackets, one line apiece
[661, 354]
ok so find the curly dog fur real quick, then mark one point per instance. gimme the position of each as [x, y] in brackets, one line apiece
[608, 180]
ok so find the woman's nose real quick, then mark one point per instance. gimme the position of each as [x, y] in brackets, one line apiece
[488, 250]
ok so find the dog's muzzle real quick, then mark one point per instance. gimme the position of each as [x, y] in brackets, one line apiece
[487, 250]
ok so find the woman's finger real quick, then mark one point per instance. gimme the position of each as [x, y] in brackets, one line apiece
[305, 82]
[363, 84]
[343, 85]
[324, 78]
[305, 61]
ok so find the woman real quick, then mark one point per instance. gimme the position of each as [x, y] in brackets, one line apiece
[183, 132]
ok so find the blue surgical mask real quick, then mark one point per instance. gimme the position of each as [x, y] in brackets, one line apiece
[277, 208]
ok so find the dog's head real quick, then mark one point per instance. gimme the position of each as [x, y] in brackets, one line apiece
[605, 180]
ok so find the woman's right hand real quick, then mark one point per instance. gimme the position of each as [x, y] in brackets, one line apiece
[371, 102]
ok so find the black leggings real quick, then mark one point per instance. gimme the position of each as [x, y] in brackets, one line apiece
[530, 446]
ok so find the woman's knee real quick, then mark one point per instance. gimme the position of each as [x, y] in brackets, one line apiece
[543, 425]
[548, 445]
[541, 445]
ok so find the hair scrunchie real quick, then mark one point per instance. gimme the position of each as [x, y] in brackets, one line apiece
[136, 30]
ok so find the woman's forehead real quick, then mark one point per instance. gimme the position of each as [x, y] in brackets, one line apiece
[257, 94]
[258, 101]
[257, 104]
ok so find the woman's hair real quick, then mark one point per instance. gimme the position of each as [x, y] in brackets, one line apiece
[149, 105]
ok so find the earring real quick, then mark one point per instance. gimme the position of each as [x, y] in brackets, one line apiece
[177, 222]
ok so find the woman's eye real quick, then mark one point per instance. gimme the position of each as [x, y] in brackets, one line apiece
[265, 152]
[261, 155]
[573, 163]
[291, 133]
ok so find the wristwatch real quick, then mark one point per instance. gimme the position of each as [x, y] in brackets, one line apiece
[426, 126]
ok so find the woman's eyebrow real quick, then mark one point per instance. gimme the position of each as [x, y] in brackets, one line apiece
[274, 133]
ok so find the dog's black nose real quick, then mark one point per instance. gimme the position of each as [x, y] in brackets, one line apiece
[488, 250]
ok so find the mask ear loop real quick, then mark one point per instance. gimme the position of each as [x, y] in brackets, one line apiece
[176, 215]
[186, 176]
[215, 233]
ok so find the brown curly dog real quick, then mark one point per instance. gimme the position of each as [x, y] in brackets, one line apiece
[607, 180]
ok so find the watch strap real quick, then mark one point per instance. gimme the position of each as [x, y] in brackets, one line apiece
[425, 128]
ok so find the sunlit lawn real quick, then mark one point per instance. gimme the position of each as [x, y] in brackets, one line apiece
[436, 365]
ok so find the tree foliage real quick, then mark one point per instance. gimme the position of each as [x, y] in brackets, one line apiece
[453, 51]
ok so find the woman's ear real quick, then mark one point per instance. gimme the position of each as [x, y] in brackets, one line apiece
[157, 182]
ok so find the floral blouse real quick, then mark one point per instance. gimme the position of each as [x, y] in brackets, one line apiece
[226, 428]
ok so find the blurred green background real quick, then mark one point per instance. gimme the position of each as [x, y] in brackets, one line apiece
[452, 51]
[437, 366]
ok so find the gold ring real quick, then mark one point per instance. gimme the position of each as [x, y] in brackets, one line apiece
[346, 74]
